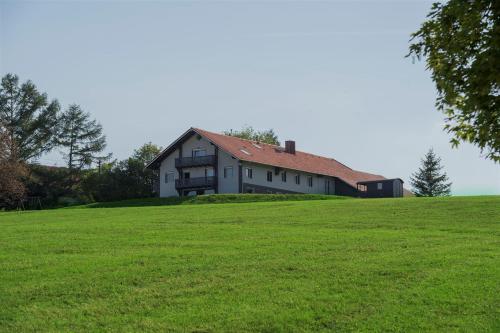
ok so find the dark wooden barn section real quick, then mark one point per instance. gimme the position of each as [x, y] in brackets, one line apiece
[387, 188]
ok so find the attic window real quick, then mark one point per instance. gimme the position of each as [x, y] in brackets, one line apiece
[245, 152]
[256, 145]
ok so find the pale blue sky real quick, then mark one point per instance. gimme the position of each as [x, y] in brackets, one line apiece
[330, 75]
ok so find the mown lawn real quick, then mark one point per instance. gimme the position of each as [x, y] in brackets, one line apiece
[327, 265]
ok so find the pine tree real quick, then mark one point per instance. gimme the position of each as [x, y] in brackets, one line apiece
[28, 115]
[81, 136]
[429, 181]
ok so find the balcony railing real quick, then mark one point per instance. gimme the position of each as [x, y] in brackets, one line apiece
[197, 182]
[184, 162]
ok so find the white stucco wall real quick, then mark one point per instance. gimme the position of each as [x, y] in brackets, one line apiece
[168, 165]
[260, 178]
[194, 143]
[230, 184]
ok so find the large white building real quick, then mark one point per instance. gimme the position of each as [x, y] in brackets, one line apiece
[202, 162]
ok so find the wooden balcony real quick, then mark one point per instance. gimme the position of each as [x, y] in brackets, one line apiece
[184, 162]
[198, 182]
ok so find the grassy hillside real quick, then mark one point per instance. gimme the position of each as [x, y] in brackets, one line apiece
[324, 265]
[212, 198]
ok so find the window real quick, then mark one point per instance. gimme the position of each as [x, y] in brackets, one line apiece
[379, 186]
[297, 179]
[198, 152]
[310, 181]
[228, 172]
[256, 146]
[169, 177]
[283, 176]
[187, 175]
[248, 172]
[269, 176]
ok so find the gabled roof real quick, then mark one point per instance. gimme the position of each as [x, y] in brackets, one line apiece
[262, 153]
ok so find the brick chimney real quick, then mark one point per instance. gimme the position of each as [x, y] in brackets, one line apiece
[290, 146]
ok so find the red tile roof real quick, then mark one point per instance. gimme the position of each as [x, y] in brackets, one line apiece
[274, 155]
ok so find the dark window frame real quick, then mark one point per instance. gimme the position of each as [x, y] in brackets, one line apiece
[269, 176]
[283, 176]
[249, 173]
[195, 152]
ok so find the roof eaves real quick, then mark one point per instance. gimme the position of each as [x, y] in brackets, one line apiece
[159, 157]
[214, 143]
[162, 154]
[378, 180]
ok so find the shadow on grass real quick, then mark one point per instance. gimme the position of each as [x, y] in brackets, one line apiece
[210, 198]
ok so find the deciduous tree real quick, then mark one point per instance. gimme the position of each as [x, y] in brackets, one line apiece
[126, 179]
[460, 41]
[249, 133]
[12, 172]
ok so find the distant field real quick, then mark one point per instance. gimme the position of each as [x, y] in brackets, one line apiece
[378, 265]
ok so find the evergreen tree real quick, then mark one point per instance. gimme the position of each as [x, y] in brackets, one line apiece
[429, 181]
[30, 119]
[81, 136]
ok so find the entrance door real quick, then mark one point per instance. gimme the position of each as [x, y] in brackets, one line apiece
[327, 187]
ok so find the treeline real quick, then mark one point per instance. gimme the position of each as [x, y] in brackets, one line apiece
[31, 125]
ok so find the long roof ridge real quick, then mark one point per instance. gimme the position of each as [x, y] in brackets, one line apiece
[273, 145]
[273, 155]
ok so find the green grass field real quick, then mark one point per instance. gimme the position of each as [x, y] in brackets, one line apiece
[376, 265]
